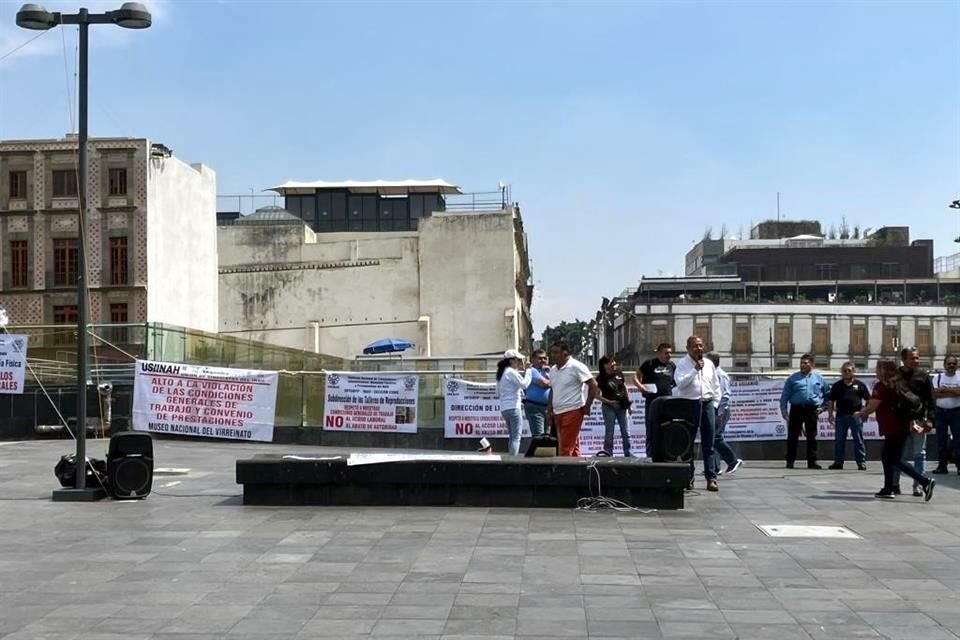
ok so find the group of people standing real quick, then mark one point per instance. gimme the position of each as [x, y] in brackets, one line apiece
[563, 394]
[697, 377]
[907, 401]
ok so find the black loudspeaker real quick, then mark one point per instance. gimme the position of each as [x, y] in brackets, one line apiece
[673, 429]
[130, 465]
[543, 446]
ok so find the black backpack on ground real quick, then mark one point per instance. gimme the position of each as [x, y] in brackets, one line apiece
[66, 472]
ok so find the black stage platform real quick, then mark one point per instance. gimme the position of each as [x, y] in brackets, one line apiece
[449, 479]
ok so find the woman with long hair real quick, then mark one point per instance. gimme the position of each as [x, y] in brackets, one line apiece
[896, 425]
[614, 403]
[510, 386]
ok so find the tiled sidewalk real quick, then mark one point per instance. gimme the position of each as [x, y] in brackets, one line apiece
[191, 562]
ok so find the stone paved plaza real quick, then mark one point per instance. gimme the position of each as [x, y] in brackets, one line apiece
[191, 562]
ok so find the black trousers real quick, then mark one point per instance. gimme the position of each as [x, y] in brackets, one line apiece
[802, 417]
[892, 458]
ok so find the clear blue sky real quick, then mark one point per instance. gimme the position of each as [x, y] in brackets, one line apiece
[625, 128]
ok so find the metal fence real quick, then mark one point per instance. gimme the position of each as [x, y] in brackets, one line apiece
[248, 203]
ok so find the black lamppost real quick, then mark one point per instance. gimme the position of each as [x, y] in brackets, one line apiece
[955, 205]
[131, 15]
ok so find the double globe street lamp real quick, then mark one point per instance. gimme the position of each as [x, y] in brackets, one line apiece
[130, 15]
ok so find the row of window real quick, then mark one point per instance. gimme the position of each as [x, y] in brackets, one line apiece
[782, 338]
[65, 183]
[331, 211]
[66, 262]
[822, 271]
[68, 314]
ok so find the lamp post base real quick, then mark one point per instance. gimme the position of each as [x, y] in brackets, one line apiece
[88, 494]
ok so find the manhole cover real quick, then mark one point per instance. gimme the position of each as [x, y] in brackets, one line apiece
[807, 531]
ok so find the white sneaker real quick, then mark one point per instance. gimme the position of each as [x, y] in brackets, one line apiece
[733, 467]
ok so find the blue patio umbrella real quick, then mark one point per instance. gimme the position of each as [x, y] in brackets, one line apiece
[387, 345]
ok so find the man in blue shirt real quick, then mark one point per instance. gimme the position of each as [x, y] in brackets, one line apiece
[805, 392]
[537, 394]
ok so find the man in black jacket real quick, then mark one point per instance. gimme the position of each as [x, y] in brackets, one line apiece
[917, 380]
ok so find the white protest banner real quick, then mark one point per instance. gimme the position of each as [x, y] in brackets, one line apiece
[472, 410]
[195, 400]
[592, 432]
[371, 402]
[755, 412]
[13, 362]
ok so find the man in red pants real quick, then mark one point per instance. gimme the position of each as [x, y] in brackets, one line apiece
[568, 406]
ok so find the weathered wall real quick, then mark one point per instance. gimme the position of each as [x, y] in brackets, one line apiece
[182, 244]
[332, 296]
[449, 288]
[467, 282]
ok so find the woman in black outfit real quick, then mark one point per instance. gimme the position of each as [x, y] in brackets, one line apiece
[614, 404]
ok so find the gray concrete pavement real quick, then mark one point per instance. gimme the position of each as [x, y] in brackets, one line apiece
[191, 562]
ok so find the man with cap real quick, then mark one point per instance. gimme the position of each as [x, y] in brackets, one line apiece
[510, 386]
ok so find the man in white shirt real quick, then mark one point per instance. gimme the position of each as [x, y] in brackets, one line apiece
[946, 391]
[720, 446]
[697, 379]
[568, 403]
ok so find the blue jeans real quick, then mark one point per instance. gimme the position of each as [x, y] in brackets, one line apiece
[893, 463]
[854, 425]
[705, 420]
[536, 418]
[611, 416]
[948, 423]
[514, 424]
[916, 445]
[722, 449]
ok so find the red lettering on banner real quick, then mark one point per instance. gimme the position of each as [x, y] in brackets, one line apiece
[334, 421]
[463, 428]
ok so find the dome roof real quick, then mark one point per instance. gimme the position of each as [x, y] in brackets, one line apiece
[270, 215]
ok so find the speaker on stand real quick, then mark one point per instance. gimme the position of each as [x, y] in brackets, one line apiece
[130, 465]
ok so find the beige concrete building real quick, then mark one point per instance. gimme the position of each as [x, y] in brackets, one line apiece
[388, 260]
[764, 337]
[150, 233]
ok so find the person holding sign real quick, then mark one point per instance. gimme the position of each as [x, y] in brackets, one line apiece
[615, 404]
[655, 380]
[567, 406]
[510, 386]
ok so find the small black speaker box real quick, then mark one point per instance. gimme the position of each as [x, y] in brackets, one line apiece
[672, 429]
[130, 465]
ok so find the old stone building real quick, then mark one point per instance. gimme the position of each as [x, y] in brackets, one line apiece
[150, 234]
